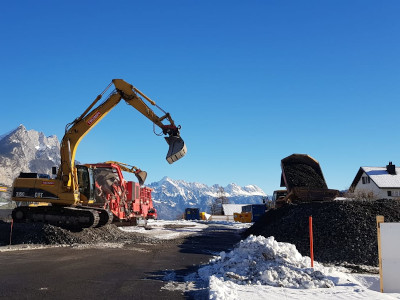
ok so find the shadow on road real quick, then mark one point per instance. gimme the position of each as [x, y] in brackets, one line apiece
[200, 249]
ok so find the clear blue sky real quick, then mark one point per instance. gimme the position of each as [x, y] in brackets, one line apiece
[251, 82]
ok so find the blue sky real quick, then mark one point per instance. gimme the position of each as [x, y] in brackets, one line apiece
[250, 82]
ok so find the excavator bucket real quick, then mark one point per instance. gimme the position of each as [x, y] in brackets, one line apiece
[177, 148]
[141, 177]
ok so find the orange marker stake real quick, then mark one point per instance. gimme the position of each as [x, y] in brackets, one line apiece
[12, 223]
[311, 242]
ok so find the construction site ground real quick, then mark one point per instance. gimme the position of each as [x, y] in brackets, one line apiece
[48, 262]
[45, 262]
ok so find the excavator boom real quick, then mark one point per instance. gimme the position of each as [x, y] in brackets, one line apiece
[82, 125]
[140, 175]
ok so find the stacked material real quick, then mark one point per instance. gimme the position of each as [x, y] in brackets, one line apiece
[344, 231]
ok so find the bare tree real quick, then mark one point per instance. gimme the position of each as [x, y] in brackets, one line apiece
[361, 195]
[216, 204]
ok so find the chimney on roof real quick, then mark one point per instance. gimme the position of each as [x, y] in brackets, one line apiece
[391, 168]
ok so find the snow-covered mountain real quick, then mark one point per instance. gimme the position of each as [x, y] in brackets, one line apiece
[24, 150]
[171, 197]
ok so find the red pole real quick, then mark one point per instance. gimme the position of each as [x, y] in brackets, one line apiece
[12, 223]
[311, 242]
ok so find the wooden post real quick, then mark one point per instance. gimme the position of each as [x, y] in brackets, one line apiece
[311, 242]
[380, 219]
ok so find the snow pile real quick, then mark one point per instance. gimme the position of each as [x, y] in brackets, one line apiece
[264, 261]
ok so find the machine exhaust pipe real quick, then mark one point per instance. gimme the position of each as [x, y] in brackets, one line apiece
[141, 176]
[177, 148]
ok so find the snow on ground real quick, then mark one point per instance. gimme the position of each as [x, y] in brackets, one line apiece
[262, 268]
[167, 230]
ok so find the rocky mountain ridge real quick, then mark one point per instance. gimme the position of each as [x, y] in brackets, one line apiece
[23, 150]
[171, 197]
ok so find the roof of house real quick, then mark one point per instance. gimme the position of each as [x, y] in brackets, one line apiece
[380, 176]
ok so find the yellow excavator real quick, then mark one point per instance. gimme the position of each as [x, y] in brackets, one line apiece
[73, 188]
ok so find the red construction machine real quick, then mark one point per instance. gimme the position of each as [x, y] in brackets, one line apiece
[127, 200]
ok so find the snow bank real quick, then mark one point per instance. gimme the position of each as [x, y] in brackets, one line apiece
[264, 261]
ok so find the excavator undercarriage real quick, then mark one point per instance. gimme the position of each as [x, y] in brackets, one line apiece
[67, 217]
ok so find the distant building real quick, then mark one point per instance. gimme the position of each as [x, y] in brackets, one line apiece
[230, 209]
[378, 182]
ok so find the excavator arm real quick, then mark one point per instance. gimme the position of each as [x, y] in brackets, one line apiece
[76, 130]
[140, 175]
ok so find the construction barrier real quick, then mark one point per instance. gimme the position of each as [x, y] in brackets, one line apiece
[388, 252]
[221, 218]
[244, 217]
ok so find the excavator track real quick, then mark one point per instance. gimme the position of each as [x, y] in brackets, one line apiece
[106, 217]
[67, 217]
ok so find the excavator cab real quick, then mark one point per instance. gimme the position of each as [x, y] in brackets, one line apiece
[85, 182]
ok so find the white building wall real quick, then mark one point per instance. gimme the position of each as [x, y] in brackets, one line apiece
[380, 193]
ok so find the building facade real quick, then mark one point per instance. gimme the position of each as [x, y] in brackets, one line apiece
[377, 182]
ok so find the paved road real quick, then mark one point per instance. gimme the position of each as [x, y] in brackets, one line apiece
[127, 273]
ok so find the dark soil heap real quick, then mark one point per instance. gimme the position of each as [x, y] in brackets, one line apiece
[344, 231]
[302, 175]
[38, 233]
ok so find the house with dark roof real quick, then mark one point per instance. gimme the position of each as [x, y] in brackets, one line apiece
[383, 182]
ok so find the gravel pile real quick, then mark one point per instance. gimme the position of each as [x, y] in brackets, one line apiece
[37, 233]
[344, 231]
[302, 175]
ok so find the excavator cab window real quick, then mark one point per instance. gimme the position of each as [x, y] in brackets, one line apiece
[85, 181]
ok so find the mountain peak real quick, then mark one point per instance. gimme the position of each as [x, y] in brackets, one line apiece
[27, 151]
[21, 127]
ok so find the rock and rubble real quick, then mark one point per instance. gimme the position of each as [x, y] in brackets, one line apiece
[302, 175]
[344, 231]
[45, 234]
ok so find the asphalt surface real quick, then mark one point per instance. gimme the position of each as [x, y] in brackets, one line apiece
[133, 272]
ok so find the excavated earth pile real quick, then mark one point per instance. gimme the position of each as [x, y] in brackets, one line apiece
[302, 175]
[31, 233]
[344, 231]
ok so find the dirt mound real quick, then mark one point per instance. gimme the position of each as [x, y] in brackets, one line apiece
[302, 175]
[344, 231]
[37, 233]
